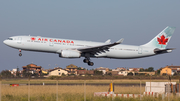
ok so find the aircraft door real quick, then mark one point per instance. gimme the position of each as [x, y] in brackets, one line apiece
[19, 40]
[51, 44]
[139, 50]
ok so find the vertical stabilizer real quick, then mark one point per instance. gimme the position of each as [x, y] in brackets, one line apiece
[162, 39]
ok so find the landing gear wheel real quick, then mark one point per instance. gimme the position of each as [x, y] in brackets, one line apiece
[20, 54]
[90, 63]
[85, 60]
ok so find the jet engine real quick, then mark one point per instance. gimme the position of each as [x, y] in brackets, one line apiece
[70, 54]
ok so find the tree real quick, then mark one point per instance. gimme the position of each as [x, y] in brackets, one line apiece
[158, 71]
[150, 69]
[6, 74]
[17, 72]
[96, 72]
[34, 75]
[141, 70]
[25, 73]
[110, 74]
[175, 74]
[79, 68]
[28, 67]
[130, 73]
[63, 74]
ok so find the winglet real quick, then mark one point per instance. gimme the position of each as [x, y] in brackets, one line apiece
[108, 41]
[120, 41]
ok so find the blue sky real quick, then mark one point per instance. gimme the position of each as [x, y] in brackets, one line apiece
[94, 20]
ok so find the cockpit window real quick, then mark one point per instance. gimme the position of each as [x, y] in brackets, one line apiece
[10, 38]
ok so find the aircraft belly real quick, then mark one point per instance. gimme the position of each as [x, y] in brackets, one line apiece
[122, 54]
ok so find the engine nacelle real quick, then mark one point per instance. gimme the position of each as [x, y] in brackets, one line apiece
[70, 54]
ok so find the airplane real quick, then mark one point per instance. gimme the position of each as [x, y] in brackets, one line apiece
[67, 48]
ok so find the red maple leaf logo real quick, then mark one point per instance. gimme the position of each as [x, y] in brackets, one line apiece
[162, 40]
[33, 38]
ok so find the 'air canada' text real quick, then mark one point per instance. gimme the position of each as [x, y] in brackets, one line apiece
[52, 40]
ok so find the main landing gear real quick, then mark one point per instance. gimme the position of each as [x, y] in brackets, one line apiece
[87, 60]
[20, 54]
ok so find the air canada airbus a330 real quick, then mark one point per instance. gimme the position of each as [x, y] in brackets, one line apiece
[67, 48]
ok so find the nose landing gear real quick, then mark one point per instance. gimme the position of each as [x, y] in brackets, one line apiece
[20, 54]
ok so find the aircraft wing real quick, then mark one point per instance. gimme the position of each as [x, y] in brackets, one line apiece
[99, 49]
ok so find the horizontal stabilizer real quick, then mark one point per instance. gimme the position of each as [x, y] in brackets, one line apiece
[160, 51]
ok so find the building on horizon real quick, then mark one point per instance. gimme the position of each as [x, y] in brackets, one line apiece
[72, 69]
[119, 69]
[103, 69]
[58, 72]
[85, 72]
[170, 70]
[32, 68]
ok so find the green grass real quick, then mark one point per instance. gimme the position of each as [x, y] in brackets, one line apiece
[80, 97]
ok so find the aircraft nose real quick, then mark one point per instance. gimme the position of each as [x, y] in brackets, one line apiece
[4, 41]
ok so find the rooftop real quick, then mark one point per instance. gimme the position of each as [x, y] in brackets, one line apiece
[32, 66]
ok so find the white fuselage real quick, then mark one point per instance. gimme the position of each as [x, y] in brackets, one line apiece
[55, 45]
